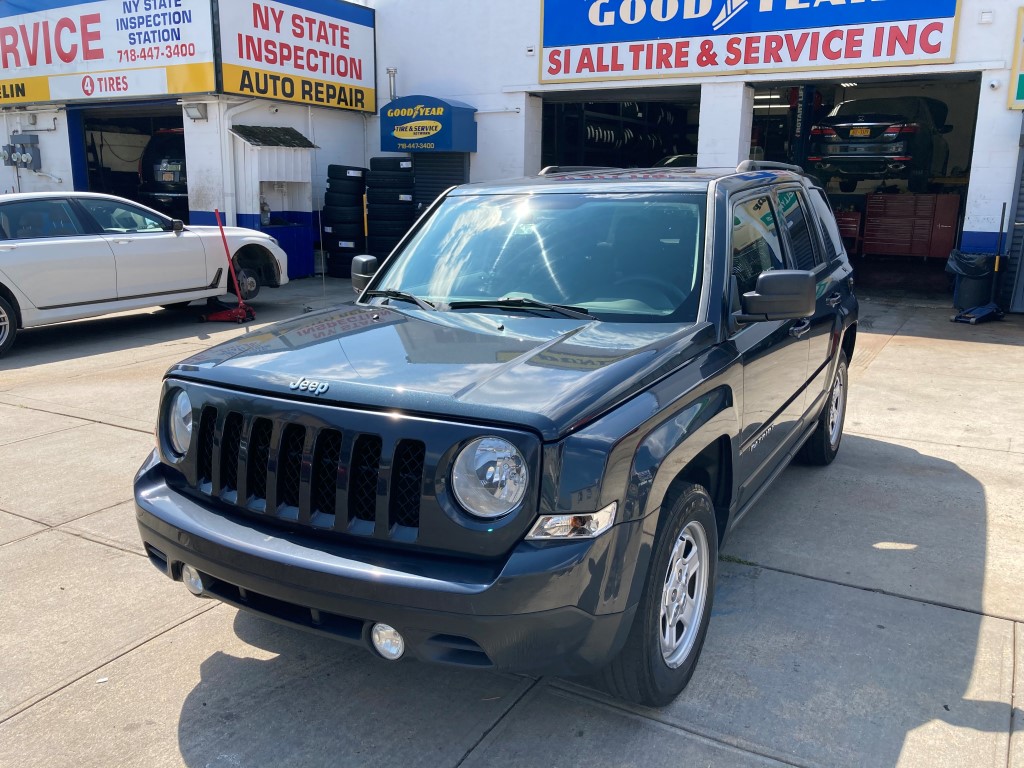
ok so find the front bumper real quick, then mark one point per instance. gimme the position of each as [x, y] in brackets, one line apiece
[522, 614]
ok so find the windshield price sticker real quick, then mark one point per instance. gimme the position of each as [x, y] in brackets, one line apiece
[609, 39]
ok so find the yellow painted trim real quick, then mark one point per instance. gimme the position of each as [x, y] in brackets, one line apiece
[191, 78]
[37, 89]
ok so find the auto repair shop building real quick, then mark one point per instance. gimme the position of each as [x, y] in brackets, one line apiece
[552, 82]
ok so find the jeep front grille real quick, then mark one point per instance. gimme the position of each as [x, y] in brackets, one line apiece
[322, 478]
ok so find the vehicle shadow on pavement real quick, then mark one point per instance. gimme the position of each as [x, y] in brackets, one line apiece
[814, 655]
[316, 701]
[847, 626]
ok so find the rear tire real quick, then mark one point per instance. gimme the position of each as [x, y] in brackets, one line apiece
[8, 326]
[672, 619]
[823, 444]
[848, 185]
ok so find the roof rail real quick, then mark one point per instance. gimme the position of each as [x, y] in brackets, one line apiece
[757, 165]
[575, 169]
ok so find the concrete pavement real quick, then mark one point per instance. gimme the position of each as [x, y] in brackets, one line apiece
[879, 624]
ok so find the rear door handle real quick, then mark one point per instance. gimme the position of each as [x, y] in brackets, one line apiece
[7, 247]
[800, 330]
[122, 240]
[834, 299]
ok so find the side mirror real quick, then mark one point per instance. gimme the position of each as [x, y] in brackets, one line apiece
[946, 129]
[363, 270]
[783, 294]
[177, 225]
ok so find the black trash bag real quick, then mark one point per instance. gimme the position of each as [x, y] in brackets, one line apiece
[970, 264]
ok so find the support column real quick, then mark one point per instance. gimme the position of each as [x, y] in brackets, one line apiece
[726, 117]
[993, 165]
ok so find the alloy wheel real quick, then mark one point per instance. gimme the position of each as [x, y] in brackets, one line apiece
[836, 405]
[684, 594]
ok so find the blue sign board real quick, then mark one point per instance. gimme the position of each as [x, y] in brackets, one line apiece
[605, 39]
[427, 124]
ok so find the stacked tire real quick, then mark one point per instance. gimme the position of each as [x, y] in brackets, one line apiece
[342, 226]
[390, 210]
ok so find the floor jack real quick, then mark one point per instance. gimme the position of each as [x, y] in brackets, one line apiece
[243, 313]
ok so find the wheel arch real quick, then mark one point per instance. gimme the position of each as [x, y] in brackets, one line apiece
[849, 342]
[9, 296]
[262, 261]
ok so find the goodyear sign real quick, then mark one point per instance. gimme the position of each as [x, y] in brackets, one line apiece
[315, 52]
[55, 50]
[426, 124]
[608, 39]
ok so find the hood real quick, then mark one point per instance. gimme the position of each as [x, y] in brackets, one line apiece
[549, 374]
[229, 231]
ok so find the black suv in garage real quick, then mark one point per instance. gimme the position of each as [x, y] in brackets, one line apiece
[894, 137]
[521, 447]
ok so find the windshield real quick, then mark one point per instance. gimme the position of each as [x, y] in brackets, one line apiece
[622, 257]
[891, 106]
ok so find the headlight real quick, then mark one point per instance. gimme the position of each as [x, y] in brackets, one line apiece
[489, 477]
[179, 423]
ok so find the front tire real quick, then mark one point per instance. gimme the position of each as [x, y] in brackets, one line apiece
[672, 619]
[8, 326]
[823, 444]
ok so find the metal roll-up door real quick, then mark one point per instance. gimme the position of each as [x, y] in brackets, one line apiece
[436, 172]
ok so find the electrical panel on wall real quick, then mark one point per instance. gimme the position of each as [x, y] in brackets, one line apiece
[23, 152]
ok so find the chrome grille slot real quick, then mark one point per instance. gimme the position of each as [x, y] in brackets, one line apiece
[230, 445]
[324, 479]
[406, 484]
[257, 463]
[289, 467]
[204, 459]
[362, 490]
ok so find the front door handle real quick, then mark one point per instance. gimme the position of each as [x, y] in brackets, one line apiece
[7, 247]
[800, 330]
[834, 299]
[122, 240]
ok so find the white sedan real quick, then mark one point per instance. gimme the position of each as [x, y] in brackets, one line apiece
[66, 256]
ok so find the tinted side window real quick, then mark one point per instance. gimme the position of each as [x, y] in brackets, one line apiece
[801, 239]
[832, 239]
[37, 219]
[755, 242]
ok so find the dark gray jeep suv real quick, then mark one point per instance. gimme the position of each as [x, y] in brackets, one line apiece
[523, 444]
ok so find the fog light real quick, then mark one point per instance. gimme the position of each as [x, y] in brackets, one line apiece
[388, 642]
[193, 580]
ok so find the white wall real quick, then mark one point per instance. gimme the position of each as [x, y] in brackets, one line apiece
[210, 148]
[469, 51]
[52, 129]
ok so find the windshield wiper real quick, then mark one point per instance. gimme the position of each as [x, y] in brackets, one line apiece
[523, 302]
[389, 293]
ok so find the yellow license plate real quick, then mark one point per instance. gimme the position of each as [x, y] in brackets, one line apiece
[167, 177]
[859, 132]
